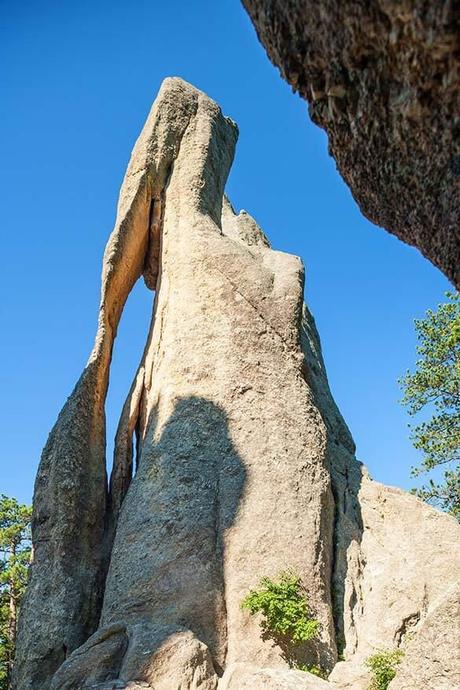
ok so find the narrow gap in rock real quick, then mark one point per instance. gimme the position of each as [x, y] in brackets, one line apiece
[150, 270]
[127, 353]
[136, 443]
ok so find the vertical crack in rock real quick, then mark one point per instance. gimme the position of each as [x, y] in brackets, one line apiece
[122, 471]
[150, 270]
[340, 451]
[130, 420]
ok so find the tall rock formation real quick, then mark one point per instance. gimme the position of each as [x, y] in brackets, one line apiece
[231, 462]
[382, 79]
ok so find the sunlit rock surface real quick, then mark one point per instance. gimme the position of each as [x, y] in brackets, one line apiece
[231, 462]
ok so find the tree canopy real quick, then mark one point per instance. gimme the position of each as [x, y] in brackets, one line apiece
[15, 552]
[434, 387]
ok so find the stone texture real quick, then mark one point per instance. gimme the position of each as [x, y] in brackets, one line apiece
[217, 395]
[70, 489]
[242, 465]
[407, 555]
[350, 675]
[394, 556]
[222, 391]
[98, 660]
[432, 659]
[166, 658]
[244, 676]
[381, 78]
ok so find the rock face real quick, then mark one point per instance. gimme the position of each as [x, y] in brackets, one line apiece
[432, 660]
[392, 582]
[394, 557]
[248, 676]
[397, 572]
[381, 78]
[242, 465]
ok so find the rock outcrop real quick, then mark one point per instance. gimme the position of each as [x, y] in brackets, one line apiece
[431, 659]
[231, 462]
[249, 676]
[381, 78]
[394, 556]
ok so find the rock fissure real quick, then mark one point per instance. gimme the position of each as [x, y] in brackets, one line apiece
[218, 527]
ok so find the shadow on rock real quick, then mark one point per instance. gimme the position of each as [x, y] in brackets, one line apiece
[165, 585]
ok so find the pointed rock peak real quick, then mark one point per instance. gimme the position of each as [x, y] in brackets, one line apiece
[231, 463]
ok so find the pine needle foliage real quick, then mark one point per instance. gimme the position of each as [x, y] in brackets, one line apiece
[15, 551]
[434, 387]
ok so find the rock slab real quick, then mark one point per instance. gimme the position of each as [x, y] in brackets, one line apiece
[381, 78]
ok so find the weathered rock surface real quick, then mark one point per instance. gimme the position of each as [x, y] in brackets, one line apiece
[96, 661]
[70, 489]
[223, 487]
[143, 655]
[394, 556]
[242, 465]
[381, 78]
[432, 659]
[167, 658]
[222, 389]
[242, 676]
[394, 576]
[407, 554]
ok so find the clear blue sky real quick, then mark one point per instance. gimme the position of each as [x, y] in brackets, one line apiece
[78, 79]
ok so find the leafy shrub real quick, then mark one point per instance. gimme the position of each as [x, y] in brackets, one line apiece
[284, 608]
[313, 669]
[383, 665]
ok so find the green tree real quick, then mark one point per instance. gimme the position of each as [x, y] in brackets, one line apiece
[434, 386]
[15, 552]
